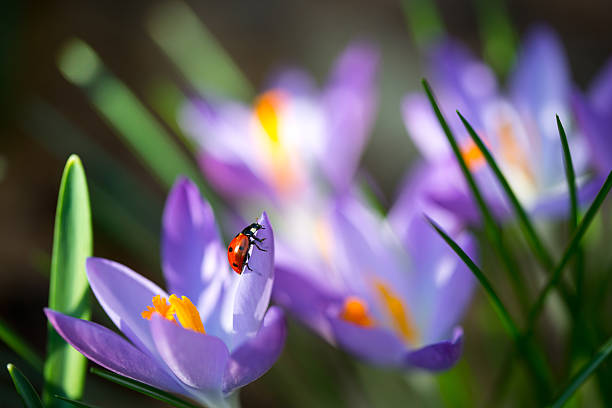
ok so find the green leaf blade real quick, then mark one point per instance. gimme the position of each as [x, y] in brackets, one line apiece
[138, 128]
[16, 343]
[496, 302]
[529, 231]
[180, 34]
[65, 367]
[142, 388]
[589, 368]
[72, 402]
[424, 22]
[569, 252]
[523, 344]
[570, 175]
[24, 388]
[491, 228]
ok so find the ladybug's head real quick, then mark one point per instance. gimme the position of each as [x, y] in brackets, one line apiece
[252, 229]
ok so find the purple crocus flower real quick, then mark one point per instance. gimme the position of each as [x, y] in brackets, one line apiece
[294, 139]
[519, 127]
[594, 115]
[205, 349]
[387, 303]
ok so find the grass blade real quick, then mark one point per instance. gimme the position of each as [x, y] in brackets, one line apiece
[523, 344]
[588, 369]
[527, 226]
[178, 31]
[20, 346]
[64, 369]
[423, 21]
[24, 388]
[491, 228]
[496, 302]
[117, 193]
[497, 34]
[570, 175]
[73, 402]
[571, 249]
[138, 128]
[143, 388]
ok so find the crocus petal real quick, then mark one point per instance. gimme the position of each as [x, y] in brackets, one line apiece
[452, 286]
[109, 350]
[461, 82]
[557, 205]
[189, 238]
[435, 267]
[220, 128]
[256, 355]
[366, 251]
[424, 128]
[600, 92]
[596, 129]
[233, 179]
[424, 187]
[540, 85]
[124, 294]
[293, 80]
[540, 88]
[372, 344]
[197, 359]
[255, 286]
[350, 103]
[304, 298]
[223, 131]
[438, 356]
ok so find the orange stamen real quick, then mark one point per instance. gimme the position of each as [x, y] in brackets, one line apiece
[187, 313]
[159, 306]
[183, 308]
[398, 313]
[266, 109]
[355, 311]
[472, 155]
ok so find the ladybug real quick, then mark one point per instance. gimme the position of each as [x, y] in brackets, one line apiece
[238, 250]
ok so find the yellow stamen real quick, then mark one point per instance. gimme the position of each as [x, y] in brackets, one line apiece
[187, 313]
[159, 306]
[267, 108]
[398, 313]
[355, 311]
[472, 155]
[184, 310]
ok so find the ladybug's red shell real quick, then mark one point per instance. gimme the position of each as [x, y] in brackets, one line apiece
[237, 252]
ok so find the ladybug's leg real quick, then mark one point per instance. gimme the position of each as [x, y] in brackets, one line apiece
[258, 239]
[246, 261]
[258, 247]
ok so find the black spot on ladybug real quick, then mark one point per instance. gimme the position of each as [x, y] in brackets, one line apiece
[235, 264]
[230, 249]
[240, 248]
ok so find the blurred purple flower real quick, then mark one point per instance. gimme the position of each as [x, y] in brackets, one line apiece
[387, 303]
[223, 342]
[594, 115]
[519, 128]
[294, 137]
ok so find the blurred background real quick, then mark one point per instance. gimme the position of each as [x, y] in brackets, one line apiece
[46, 114]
